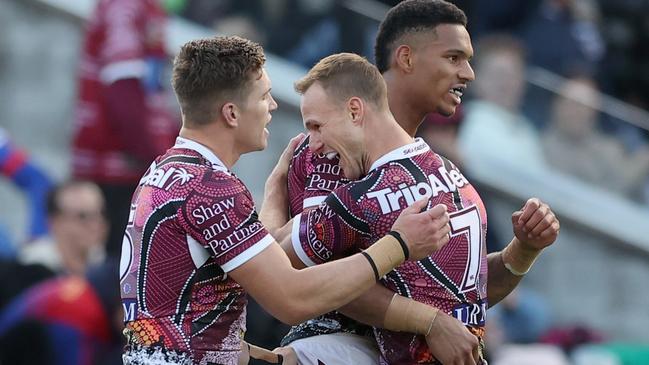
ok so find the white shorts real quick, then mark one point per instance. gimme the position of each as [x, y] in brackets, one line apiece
[336, 348]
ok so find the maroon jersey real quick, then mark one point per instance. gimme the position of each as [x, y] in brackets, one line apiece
[354, 216]
[311, 178]
[192, 221]
[124, 39]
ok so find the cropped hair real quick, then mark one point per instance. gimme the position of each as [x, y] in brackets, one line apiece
[208, 72]
[412, 16]
[345, 75]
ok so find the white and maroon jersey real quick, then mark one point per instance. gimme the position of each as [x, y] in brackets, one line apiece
[124, 39]
[354, 216]
[311, 178]
[191, 222]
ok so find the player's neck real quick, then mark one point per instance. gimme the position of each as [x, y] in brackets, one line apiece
[383, 137]
[220, 143]
[402, 105]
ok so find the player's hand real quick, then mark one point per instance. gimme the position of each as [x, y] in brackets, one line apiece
[281, 168]
[423, 232]
[289, 357]
[535, 225]
[452, 343]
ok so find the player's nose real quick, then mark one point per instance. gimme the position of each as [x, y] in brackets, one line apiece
[315, 143]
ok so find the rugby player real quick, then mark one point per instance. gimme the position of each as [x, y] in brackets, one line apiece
[423, 51]
[193, 245]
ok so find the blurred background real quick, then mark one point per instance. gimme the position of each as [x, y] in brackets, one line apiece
[558, 111]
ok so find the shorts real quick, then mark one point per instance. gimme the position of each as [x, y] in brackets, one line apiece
[336, 348]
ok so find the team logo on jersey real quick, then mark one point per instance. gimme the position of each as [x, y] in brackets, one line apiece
[130, 309]
[165, 179]
[390, 199]
[471, 314]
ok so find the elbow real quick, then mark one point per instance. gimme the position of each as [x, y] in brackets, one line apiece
[294, 314]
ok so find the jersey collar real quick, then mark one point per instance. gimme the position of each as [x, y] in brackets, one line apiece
[410, 150]
[189, 144]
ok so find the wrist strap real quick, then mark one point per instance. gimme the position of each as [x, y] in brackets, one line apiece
[407, 315]
[517, 259]
[385, 255]
[404, 247]
[373, 264]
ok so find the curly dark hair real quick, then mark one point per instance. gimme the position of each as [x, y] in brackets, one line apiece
[208, 71]
[412, 16]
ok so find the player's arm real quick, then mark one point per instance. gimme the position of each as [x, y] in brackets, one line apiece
[274, 213]
[294, 296]
[535, 228]
[448, 339]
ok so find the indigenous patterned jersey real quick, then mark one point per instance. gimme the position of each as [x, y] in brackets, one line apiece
[124, 40]
[311, 178]
[453, 279]
[192, 221]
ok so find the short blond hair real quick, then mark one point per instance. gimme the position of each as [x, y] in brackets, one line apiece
[345, 75]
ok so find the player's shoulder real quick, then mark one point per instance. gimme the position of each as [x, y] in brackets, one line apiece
[184, 167]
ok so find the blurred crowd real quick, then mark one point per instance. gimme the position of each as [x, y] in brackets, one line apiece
[64, 295]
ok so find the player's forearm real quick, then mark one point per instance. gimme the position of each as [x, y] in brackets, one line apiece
[500, 281]
[507, 268]
[370, 307]
[274, 210]
[320, 289]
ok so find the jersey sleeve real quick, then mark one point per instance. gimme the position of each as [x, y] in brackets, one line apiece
[222, 218]
[335, 229]
[298, 171]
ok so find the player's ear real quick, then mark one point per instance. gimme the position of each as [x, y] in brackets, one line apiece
[403, 58]
[230, 113]
[356, 109]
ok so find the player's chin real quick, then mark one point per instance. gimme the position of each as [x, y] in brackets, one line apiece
[263, 143]
[446, 109]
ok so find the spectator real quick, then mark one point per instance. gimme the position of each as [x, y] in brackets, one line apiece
[122, 121]
[17, 166]
[574, 144]
[69, 321]
[571, 28]
[78, 230]
[494, 130]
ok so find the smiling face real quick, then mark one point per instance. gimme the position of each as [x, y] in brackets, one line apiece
[252, 134]
[440, 68]
[331, 128]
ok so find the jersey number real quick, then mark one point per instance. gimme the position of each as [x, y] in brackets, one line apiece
[467, 222]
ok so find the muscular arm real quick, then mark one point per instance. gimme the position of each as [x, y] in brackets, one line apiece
[274, 213]
[274, 210]
[500, 281]
[370, 307]
[294, 296]
[447, 338]
[535, 228]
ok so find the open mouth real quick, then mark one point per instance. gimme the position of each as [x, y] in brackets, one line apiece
[458, 91]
